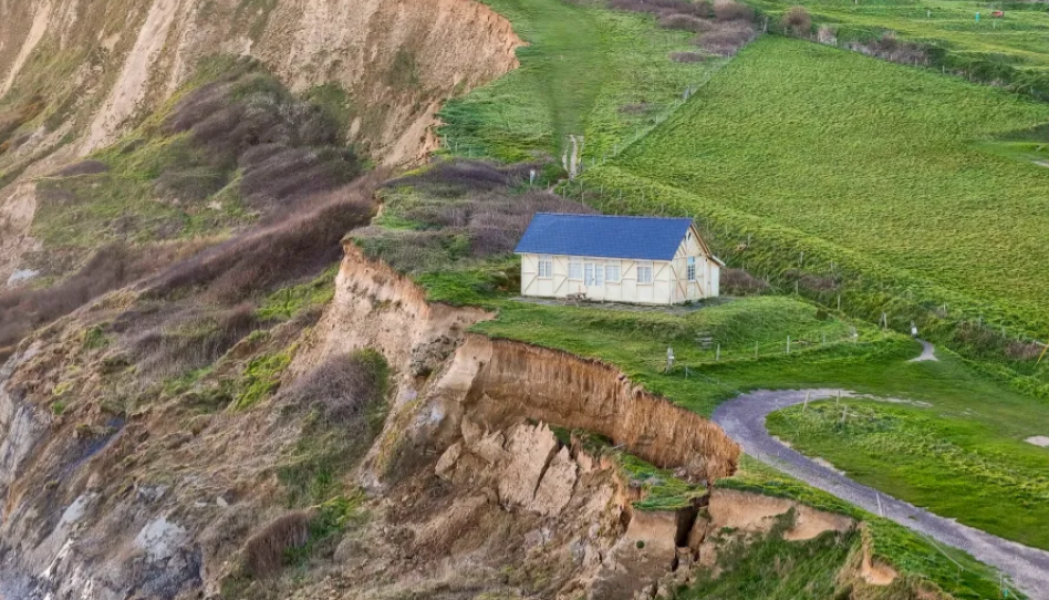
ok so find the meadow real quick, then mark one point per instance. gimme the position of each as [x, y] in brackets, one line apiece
[589, 71]
[1013, 47]
[873, 157]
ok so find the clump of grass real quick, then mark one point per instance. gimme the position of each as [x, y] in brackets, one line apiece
[262, 377]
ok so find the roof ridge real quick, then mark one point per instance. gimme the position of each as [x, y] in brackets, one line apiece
[616, 216]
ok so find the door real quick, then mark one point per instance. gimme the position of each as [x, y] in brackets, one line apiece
[594, 279]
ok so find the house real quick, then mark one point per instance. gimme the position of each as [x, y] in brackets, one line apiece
[643, 260]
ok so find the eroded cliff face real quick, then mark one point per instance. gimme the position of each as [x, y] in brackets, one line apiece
[90, 70]
[467, 487]
[398, 60]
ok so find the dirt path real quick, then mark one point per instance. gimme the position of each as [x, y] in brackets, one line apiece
[743, 418]
[928, 353]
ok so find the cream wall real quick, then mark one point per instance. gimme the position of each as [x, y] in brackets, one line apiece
[669, 285]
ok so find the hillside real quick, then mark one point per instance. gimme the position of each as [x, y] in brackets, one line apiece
[261, 333]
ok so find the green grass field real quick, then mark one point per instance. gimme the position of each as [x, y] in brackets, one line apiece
[962, 454]
[1019, 37]
[873, 157]
[587, 71]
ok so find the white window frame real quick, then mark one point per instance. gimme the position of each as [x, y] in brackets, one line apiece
[613, 271]
[645, 266]
[691, 269]
[575, 268]
[546, 266]
[593, 273]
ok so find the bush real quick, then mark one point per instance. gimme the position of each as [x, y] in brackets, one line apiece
[685, 23]
[737, 282]
[258, 260]
[728, 38]
[342, 389]
[797, 21]
[663, 7]
[459, 209]
[730, 10]
[114, 266]
[265, 551]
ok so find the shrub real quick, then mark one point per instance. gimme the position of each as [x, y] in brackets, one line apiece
[730, 10]
[265, 551]
[737, 282]
[685, 23]
[797, 21]
[728, 38]
[114, 266]
[342, 389]
[273, 253]
[663, 7]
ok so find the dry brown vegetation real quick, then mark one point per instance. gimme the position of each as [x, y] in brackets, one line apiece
[797, 21]
[112, 267]
[461, 209]
[887, 47]
[737, 282]
[264, 552]
[722, 29]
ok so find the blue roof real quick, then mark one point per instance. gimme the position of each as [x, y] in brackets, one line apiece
[603, 236]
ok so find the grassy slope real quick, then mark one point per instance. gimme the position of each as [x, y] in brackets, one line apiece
[962, 457]
[871, 156]
[582, 65]
[1019, 37]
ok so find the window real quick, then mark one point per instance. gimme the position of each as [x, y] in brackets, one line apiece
[692, 268]
[594, 274]
[612, 272]
[546, 266]
[644, 272]
[575, 269]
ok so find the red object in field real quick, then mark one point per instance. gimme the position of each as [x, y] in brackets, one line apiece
[998, 14]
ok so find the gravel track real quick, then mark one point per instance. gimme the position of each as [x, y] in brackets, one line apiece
[743, 418]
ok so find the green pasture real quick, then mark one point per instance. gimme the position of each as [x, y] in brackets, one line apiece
[874, 157]
[1019, 37]
[586, 71]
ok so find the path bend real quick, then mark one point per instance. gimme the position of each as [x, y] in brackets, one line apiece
[743, 419]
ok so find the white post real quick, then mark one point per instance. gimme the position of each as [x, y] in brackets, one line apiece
[881, 513]
[788, 344]
[717, 357]
[806, 406]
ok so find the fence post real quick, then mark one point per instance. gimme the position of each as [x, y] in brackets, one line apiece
[806, 406]
[717, 356]
[788, 344]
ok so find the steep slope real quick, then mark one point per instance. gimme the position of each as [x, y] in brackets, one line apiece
[160, 490]
[76, 75]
